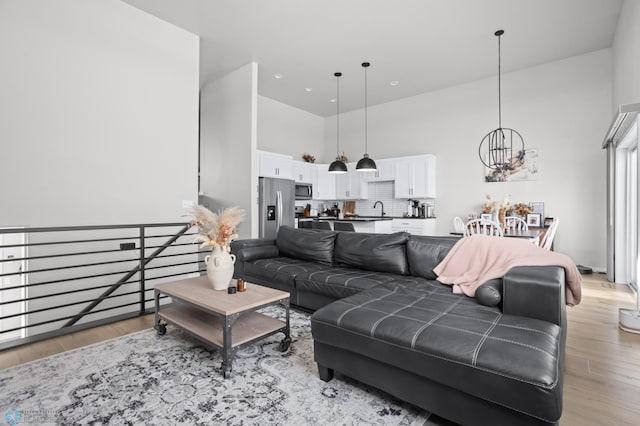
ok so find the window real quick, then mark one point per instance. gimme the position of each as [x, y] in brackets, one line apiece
[626, 208]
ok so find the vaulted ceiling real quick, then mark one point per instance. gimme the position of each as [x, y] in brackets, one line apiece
[423, 45]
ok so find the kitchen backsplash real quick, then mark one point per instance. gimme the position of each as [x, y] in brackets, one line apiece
[383, 191]
[378, 191]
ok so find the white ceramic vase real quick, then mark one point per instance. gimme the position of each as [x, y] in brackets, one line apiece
[220, 268]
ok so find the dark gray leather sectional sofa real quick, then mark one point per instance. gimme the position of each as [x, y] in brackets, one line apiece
[382, 318]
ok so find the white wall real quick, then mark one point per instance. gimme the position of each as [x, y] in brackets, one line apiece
[98, 114]
[228, 133]
[561, 108]
[626, 56]
[289, 130]
[98, 125]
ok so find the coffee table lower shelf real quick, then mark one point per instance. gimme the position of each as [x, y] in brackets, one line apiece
[247, 328]
[224, 321]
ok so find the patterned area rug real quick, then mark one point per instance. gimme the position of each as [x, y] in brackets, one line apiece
[143, 378]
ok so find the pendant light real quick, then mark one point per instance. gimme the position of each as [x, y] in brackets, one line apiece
[498, 147]
[365, 164]
[338, 166]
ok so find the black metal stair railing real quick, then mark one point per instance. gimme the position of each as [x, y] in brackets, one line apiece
[58, 280]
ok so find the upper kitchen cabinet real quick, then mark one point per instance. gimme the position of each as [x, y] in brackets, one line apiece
[324, 185]
[303, 172]
[386, 171]
[351, 185]
[415, 177]
[274, 165]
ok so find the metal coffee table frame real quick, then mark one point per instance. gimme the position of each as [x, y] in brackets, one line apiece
[182, 312]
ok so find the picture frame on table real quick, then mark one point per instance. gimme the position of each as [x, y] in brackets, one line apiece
[537, 207]
[486, 217]
[548, 221]
[534, 219]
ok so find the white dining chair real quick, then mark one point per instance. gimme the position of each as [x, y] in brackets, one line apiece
[516, 223]
[458, 225]
[486, 227]
[547, 240]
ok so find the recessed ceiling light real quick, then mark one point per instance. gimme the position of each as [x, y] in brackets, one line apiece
[308, 89]
[278, 76]
[333, 100]
[394, 83]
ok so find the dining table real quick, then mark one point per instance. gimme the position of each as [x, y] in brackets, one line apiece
[532, 235]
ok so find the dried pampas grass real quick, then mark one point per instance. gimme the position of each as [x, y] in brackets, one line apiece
[216, 229]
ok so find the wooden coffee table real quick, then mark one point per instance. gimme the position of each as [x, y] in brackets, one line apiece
[225, 321]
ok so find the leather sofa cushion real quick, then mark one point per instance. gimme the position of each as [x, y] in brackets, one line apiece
[281, 270]
[451, 339]
[419, 284]
[340, 282]
[313, 245]
[372, 252]
[425, 253]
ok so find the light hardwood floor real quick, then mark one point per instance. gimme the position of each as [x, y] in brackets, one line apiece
[602, 367]
[602, 364]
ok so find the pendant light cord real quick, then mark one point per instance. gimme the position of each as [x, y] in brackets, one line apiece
[338, 115]
[366, 148]
[499, 87]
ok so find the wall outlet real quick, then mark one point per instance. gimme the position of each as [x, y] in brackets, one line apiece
[188, 204]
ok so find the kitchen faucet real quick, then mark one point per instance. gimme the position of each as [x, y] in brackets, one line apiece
[381, 204]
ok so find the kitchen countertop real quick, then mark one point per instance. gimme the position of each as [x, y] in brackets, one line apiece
[417, 218]
[360, 218]
[355, 219]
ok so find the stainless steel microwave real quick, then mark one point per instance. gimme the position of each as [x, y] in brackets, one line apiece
[304, 191]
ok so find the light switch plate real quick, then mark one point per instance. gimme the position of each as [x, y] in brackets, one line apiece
[187, 204]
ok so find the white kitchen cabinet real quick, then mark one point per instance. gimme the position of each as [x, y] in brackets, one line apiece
[414, 226]
[274, 165]
[351, 185]
[415, 177]
[324, 185]
[374, 227]
[303, 172]
[386, 171]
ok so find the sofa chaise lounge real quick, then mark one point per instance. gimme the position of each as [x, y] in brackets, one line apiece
[381, 317]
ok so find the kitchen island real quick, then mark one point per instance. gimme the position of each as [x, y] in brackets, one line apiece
[378, 225]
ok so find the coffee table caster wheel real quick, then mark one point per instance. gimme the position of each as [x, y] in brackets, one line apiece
[161, 329]
[284, 344]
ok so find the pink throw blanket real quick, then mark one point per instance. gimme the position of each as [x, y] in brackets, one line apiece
[474, 260]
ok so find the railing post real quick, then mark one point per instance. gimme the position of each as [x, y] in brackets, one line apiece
[142, 265]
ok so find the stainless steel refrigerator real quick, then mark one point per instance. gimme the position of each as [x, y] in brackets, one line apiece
[277, 204]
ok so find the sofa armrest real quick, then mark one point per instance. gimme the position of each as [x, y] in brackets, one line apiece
[250, 242]
[248, 254]
[251, 249]
[254, 248]
[535, 292]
